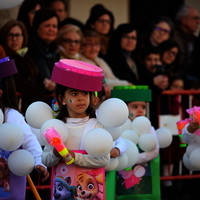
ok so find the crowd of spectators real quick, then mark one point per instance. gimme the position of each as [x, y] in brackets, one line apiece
[43, 33]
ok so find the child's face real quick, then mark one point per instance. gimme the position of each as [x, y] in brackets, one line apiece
[151, 60]
[77, 102]
[136, 109]
[177, 85]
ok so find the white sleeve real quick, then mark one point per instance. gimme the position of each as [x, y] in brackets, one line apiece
[148, 156]
[188, 137]
[30, 142]
[120, 144]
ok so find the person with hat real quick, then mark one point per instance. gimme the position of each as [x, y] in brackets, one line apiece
[137, 98]
[75, 82]
[16, 186]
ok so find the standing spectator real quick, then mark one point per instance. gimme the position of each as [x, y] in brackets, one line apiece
[69, 42]
[14, 40]
[169, 51]
[188, 21]
[27, 12]
[102, 21]
[61, 9]
[42, 47]
[159, 30]
[121, 57]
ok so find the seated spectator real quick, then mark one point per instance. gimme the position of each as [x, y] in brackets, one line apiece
[69, 42]
[27, 12]
[102, 21]
[42, 47]
[90, 50]
[61, 9]
[121, 54]
[14, 39]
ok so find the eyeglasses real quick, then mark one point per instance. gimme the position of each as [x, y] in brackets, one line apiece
[107, 21]
[69, 41]
[195, 18]
[162, 29]
[129, 38]
[17, 36]
[173, 53]
[92, 45]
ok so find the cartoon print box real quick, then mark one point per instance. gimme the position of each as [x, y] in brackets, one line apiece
[71, 182]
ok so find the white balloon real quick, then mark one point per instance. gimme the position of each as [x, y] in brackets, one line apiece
[197, 139]
[127, 125]
[1, 117]
[98, 142]
[164, 137]
[132, 153]
[191, 147]
[131, 135]
[21, 162]
[37, 113]
[11, 136]
[187, 164]
[115, 132]
[113, 112]
[147, 142]
[36, 132]
[6, 4]
[112, 165]
[122, 162]
[58, 125]
[141, 125]
[194, 158]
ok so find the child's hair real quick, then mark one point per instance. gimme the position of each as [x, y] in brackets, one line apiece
[9, 97]
[62, 111]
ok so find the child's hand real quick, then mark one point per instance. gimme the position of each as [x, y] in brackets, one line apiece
[44, 171]
[114, 152]
[193, 126]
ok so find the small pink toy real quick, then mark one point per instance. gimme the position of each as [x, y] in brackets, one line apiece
[55, 140]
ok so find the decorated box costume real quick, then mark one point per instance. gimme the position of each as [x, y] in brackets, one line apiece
[74, 177]
[126, 185]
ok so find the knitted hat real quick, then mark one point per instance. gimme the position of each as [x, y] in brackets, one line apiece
[132, 93]
[78, 75]
[7, 67]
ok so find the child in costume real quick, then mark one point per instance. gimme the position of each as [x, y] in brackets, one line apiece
[139, 180]
[9, 106]
[76, 80]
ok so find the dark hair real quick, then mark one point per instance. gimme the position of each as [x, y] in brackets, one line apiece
[167, 45]
[149, 50]
[121, 30]
[25, 8]
[6, 28]
[97, 11]
[62, 111]
[9, 97]
[90, 33]
[63, 1]
[42, 15]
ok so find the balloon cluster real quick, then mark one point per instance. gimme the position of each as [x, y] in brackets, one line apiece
[138, 133]
[20, 162]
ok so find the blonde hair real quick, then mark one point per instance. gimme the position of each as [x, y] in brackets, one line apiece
[68, 28]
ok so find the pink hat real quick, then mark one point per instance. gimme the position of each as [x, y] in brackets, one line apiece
[78, 75]
[7, 67]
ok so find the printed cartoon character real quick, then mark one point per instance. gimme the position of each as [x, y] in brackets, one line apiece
[133, 176]
[63, 190]
[88, 185]
[4, 175]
